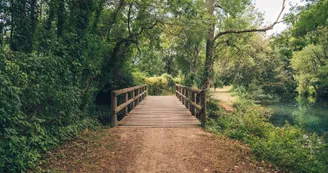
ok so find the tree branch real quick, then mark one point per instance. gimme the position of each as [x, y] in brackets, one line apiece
[219, 6]
[254, 29]
[218, 43]
[114, 16]
[129, 18]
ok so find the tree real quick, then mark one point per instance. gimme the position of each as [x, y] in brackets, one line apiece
[310, 65]
[228, 9]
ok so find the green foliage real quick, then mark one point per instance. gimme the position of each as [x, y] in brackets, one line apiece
[309, 65]
[213, 109]
[193, 80]
[251, 64]
[57, 57]
[157, 85]
[288, 147]
[312, 18]
[40, 107]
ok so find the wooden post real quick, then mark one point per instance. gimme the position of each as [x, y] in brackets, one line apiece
[184, 94]
[176, 89]
[140, 91]
[114, 115]
[193, 99]
[203, 112]
[190, 105]
[125, 100]
[137, 93]
[146, 90]
[187, 96]
[180, 91]
[133, 95]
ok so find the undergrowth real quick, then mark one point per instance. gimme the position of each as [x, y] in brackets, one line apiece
[157, 85]
[41, 106]
[289, 147]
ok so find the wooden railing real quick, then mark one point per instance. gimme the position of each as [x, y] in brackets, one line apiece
[194, 100]
[137, 94]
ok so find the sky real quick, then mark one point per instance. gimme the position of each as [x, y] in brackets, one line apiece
[271, 9]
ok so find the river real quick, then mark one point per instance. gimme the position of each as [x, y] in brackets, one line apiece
[311, 117]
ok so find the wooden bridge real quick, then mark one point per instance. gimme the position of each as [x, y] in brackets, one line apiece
[187, 109]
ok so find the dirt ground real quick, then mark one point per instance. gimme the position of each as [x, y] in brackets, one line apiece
[225, 97]
[152, 150]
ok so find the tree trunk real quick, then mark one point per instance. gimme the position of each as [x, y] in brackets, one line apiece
[51, 14]
[1, 32]
[209, 47]
[60, 18]
[33, 15]
[195, 63]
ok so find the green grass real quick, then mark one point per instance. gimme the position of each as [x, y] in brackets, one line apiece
[289, 147]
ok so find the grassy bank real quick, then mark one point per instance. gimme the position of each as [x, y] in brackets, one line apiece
[288, 147]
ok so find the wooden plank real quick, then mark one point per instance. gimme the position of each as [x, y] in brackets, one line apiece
[160, 111]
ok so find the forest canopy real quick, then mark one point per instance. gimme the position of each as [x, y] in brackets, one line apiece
[59, 59]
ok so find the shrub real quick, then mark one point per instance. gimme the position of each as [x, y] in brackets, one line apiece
[288, 147]
[157, 85]
[41, 106]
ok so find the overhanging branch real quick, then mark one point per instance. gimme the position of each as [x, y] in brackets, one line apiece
[254, 29]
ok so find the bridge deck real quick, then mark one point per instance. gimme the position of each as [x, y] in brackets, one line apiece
[160, 111]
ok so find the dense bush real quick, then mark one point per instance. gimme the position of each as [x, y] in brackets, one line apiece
[42, 104]
[288, 147]
[157, 85]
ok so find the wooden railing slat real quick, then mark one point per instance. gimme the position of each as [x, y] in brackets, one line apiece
[125, 90]
[199, 108]
[140, 90]
[188, 97]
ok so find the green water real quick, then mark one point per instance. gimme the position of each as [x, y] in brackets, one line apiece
[311, 117]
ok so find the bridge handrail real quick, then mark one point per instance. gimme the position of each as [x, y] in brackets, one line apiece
[188, 96]
[138, 93]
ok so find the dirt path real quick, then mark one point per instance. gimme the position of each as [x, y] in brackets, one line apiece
[153, 150]
[225, 97]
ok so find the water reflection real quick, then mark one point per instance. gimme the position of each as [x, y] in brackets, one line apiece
[313, 117]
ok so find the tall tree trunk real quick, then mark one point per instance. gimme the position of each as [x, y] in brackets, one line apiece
[21, 38]
[196, 57]
[51, 14]
[61, 18]
[210, 5]
[209, 46]
[1, 32]
[33, 15]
